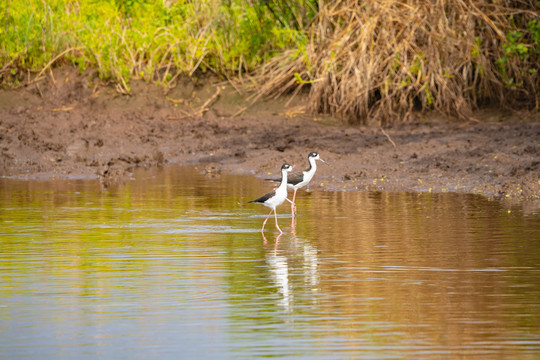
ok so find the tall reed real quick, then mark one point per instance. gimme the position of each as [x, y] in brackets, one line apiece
[377, 61]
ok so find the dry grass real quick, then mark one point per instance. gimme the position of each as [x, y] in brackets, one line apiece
[377, 61]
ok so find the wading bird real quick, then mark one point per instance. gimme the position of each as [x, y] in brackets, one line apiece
[297, 180]
[275, 197]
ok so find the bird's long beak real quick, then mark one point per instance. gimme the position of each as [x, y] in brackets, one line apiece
[324, 162]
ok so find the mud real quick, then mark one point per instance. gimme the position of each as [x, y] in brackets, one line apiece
[68, 126]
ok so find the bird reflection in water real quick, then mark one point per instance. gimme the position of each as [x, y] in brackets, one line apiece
[287, 259]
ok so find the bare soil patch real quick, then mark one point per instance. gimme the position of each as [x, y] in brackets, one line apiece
[66, 128]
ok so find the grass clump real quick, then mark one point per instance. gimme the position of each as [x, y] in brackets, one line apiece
[380, 60]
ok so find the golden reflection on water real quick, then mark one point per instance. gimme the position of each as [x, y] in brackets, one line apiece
[439, 267]
[174, 261]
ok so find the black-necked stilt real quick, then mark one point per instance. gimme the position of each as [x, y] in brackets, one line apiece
[275, 197]
[297, 180]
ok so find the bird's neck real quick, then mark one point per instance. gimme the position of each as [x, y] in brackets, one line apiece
[283, 183]
[312, 165]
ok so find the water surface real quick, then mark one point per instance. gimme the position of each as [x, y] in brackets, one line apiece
[173, 265]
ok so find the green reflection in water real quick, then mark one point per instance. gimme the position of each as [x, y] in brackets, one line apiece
[174, 263]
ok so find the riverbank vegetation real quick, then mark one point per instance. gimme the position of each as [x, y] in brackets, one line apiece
[360, 60]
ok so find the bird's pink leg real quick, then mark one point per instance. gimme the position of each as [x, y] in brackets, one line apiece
[275, 215]
[265, 220]
[293, 205]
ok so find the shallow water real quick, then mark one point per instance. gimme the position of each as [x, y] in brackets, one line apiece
[173, 265]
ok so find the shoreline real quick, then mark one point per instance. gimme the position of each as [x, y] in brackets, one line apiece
[67, 130]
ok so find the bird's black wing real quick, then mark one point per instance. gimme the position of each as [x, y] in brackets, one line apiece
[292, 178]
[263, 198]
[295, 178]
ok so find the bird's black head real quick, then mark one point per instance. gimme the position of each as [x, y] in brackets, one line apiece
[286, 167]
[315, 156]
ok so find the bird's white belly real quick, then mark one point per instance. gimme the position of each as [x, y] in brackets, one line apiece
[278, 199]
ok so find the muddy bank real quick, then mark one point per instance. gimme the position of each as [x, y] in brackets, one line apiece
[67, 127]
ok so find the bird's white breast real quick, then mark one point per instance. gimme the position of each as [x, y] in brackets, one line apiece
[277, 199]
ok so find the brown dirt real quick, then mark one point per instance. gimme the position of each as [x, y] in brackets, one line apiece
[64, 127]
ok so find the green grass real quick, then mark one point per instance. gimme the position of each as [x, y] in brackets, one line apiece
[151, 40]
